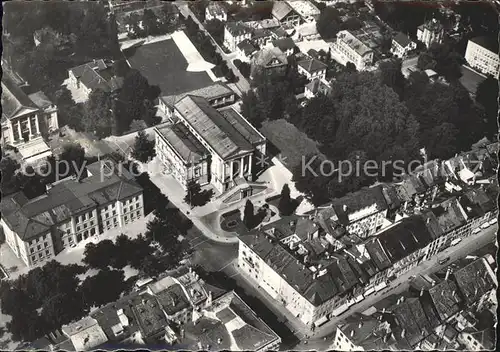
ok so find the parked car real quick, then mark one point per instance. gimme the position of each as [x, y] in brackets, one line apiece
[442, 261]
[456, 241]
[476, 230]
[494, 221]
[485, 225]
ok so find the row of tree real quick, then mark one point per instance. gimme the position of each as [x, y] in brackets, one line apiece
[151, 23]
[207, 49]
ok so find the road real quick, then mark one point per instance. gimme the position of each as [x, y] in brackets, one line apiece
[242, 83]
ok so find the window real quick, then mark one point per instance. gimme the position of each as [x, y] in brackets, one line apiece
[33, 258]
[91, 222]
[47, 252]
[38, 247]
[32, 250]
[114, 212]
[45, 244]
[68, 231]
[40, 255]
[92, 231]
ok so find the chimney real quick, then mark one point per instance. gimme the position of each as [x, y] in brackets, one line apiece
[360, 325]
[344, 208]
[191, 291]
[219, 340]
[448, 271]
[403, 333]
[190, 270]
[421, 292]
[352, 333]
[383, 310]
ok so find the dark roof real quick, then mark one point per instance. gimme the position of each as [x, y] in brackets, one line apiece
[378, 254]
[173, 299]
[358, 200]
[362, 330]
[432, 25]
[446, 299]
[474, 280]
[215, 9]
[412, 319]
[489, 43]
[211, 125]
[284, 44]
[97, 75]
[30, 218]
[171, 76]
[183, 142]
[318, 86]
[338, 279]
[247, 47]
[14, 100]
[404, 238]
[281, 9]
[312, 65]
[238, 28]
[449, 215]
[242, 126]
[402, 39]
[149, 316]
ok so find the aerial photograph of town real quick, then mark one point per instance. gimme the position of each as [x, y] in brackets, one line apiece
[302, 175]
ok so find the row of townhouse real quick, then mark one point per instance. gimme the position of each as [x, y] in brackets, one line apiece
[71, 211]
[427, 316]
[357, 244]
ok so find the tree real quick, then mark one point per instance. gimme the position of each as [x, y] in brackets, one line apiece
[99, 255]
[285, 205]
[195, 196]
[248, 215]
[443, 59]
[350, 67]
[8, 181]
[143, 149]
[250, 109]
[103, 288]
[328, 23]
[98, 114]
[150, 22]
[487, 98]
[391, 75]
[74, 156]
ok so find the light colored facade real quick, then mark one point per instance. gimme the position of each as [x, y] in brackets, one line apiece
[353, 50]
[316, 87]
[70, 212]
[235, 33]
[215, 11]
[26, 119]
[312, 69]
[483, 57]
[402, 45]
[430, 33]
[226, 137]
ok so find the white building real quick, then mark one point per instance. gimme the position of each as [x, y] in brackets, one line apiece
[353, 50]
[305, 9]
[215, 11]
[26, 119]
[402, 45]
[235, 33]
[482, 55]
[71, 211]
[317, 86]
[312, 68]
[226, 137]
[430, 33]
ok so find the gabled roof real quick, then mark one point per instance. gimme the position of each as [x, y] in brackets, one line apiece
[31, 218]
[14, 101]
[247, 47]
[312, 65]
[281, 9]
[402, 39]
[213, 91]
[445, 298]
[267, 56]
[238, 28]
[474, 280]
[212, 127]
[284, 44]
[216, 9]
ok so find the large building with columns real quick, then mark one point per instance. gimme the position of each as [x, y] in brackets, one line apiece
[26, 118]
[208, 145]
[71, 211]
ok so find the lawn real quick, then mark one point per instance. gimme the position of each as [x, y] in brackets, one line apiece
[288, 141]
[163, 65]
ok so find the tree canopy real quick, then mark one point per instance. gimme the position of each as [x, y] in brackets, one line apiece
[143, 148]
